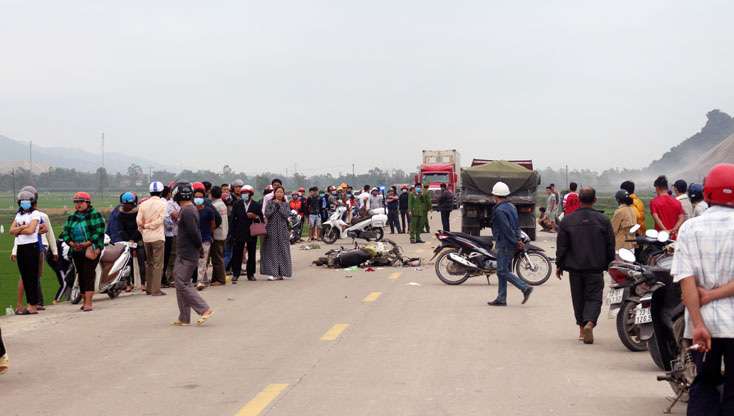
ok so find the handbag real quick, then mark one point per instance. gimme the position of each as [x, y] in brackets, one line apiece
[257, 228]
[91, 253]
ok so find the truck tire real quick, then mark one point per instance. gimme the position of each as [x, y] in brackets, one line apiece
[530, 232]
[470, 230]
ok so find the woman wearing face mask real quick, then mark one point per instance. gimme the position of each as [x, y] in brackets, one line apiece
[624, 218]
[84, 229]
[25, 229]
[276, 252]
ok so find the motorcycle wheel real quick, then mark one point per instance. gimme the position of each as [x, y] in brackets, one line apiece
[652, 348]
[330, 235]
[380, 232]
[448, 271]
[628, 332]
[113, 293]
[76, 295]
[538, 261]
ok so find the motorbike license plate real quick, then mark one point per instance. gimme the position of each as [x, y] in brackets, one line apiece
[615, 296]
[378, 223]
[643, 316]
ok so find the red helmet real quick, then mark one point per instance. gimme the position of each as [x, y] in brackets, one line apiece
[82, 197]
[404, 187]
[170, 185]
[198, 186]
[718, 186]
[301, 190]
[269, 188]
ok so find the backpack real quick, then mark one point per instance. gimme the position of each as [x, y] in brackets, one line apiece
[572, 203]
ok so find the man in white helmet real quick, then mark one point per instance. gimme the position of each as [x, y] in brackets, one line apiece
[151, 215]
[507, 237]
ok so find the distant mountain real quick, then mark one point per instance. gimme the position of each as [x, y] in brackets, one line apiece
[65, 157]
[718, 127]
[722, 153]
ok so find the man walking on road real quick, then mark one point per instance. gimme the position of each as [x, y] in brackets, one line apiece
[416, 212]
[151, 216]
[445, 206]
[704, 266]
[584, 248]
[506, 233]
[189, 252]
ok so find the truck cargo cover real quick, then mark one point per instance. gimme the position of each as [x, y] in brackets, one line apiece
[483, 177]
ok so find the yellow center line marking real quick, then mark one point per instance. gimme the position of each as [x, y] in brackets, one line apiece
[394, 275]
[334, 332]
[372, 297]
[262, 400]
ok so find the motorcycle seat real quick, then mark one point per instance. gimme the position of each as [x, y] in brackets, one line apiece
[357, 220]
[112, 252]
[485, 241]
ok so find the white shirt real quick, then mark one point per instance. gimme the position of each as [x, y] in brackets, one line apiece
[220, 233]
[26, 218]
[45, 238]
[700, 208]
[686, 205]
[374, 202]
[705, 250]
[363, 197]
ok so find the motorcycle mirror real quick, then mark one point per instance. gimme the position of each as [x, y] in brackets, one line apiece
[634, 228]
[663, 236]
[627, 255]
[651, 234]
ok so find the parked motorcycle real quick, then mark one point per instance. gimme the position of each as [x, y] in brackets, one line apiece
[370, 227]
[628, 285]
[461, 256]
[112, 271]
[655, 243]
[295, 226]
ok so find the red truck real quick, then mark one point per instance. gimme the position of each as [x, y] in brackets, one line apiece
[441, 166]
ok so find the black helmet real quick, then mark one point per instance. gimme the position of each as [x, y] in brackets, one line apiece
[695, 192]
[182, 191]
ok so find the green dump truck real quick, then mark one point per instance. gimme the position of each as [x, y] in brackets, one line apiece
[476, 196]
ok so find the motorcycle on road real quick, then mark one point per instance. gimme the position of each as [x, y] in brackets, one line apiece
[461, 256]
[371, 227]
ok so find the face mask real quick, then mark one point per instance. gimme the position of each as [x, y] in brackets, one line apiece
[333, 192]
[322, 195]
[26, 205]
[349, 195]
[418, 190]
[405, 191]
[246, 197]
[198, 201]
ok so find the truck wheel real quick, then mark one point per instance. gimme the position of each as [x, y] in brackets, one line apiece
[530, 232]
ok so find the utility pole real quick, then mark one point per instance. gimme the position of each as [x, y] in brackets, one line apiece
[101, 185]
[354, 178]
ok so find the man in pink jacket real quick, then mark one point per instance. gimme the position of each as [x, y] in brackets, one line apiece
[151, 214]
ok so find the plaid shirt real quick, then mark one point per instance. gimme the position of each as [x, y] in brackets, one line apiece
[93, 225]
[705, 250]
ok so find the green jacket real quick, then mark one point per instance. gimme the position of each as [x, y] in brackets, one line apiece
[427, 203]
[92, 224]
[416, 205]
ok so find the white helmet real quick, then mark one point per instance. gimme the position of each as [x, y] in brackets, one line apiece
[500, 189]
[248, 188]
[156, 187]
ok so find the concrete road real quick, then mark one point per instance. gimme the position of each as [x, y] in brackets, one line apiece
[319, 344]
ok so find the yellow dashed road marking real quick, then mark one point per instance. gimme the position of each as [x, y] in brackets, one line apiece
[334, 332]
[372, 297]
[394, 275]
[262, 400]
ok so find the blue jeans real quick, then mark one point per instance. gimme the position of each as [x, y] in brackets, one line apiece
[504, 265]
[228, 254]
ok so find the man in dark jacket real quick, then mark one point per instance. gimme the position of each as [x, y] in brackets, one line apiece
[403, 207]
[584, 248]
[244, 212]
[445, 206]
[506, 233]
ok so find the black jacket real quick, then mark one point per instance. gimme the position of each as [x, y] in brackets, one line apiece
[585, 242]
[239, 223]
[446, 201]
[403, 201]
[128, 226]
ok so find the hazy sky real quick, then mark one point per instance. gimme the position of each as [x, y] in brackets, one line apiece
[263, 85]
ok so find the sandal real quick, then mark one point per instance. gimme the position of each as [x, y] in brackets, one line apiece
[40, 308]
[179, 323]
[4, 363]
[87, 310]
[204, 318]
[159, 294]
